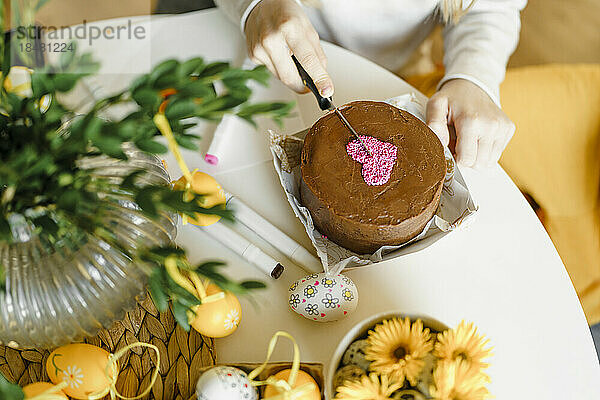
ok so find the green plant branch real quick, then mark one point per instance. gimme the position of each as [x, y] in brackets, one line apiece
[43, 180]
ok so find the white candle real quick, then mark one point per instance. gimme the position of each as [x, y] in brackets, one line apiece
[229, 123]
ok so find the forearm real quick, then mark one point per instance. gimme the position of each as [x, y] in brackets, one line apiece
[477, 48]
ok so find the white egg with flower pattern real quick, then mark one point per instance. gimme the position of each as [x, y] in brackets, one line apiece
[225, 383]
[323, 297]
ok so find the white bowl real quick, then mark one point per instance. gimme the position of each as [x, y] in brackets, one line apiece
[360, 331]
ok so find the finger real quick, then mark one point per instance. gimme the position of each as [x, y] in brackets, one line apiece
[497, 150]
[500, 144]
[466, 142]
[316, 43]
[260, 56]
[280, 55]
[437, 117]
[484, 153]
[308, 58]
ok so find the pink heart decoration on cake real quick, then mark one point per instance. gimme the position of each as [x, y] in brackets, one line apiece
[376, 170]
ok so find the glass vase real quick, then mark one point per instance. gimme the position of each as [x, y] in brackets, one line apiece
[58, 293]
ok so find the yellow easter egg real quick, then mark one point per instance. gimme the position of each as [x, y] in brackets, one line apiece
[218, 318]
[82, 366]
[212, 192]
[34, 389]
[302, 379]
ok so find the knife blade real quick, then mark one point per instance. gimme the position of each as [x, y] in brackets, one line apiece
[326, 103]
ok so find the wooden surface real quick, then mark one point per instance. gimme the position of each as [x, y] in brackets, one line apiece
[182, 355]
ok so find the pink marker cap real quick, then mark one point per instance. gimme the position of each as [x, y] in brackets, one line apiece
[211, 159]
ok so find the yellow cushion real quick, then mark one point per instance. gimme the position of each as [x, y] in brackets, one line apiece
[555, 156]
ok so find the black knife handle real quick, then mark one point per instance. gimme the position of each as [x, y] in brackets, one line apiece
[325, 103]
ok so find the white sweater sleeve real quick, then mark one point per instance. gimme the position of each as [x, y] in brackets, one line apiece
[237, 10]
[477, 48]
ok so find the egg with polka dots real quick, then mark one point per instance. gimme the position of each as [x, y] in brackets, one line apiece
[355, 355]
[225, 383]
[323, 297]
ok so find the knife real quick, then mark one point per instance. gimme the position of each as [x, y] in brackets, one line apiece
[326, 103]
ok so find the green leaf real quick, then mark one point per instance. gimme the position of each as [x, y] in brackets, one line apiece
[2, 278]
[259, 74]
[66, 59]
[144, 198]
[139, 82]
[128, 183]
[187, 141]
[214, 68]
[210, 265]
[41, 84]
[155, 284]
[65, 82]
[10, 391]
[5, 232]
[162, 69]
[47, 224]
[69, 199]
[151, 146]
[166, 81]
[109, 145]
[163, 75]
[251, 285]
[191, 66]
[180, 314]
[146, 97]
[181, 109]
[197, 89]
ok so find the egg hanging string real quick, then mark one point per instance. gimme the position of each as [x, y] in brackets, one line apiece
[162, 123]
[195, 287]
[112, 378]
[286, 388]
[52, 393]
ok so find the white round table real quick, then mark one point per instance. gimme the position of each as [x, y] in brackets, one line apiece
[502, 272]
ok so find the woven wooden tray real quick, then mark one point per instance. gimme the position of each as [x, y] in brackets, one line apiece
[183, 355]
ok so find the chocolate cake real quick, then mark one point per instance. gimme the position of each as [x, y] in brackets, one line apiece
[365, 204]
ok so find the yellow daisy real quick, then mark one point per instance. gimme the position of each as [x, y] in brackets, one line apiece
[465, 343]
[370, 387]
[397, 348]
[458, 380]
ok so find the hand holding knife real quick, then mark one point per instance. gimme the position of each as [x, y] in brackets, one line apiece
[326, 103]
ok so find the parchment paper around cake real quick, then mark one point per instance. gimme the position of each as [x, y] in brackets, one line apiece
[456, 208]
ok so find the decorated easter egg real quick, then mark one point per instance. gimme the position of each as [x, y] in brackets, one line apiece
[225, 383]
[82, 366]
[37, 388]
[323, 297]
[347, 373]
[212, 195]
[355, 355]
[301, 379]
[425, 380]
[217, 318]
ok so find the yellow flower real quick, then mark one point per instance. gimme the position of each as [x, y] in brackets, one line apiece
[465, 343]
[369, 387]
[397, 348]
[458, 380]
